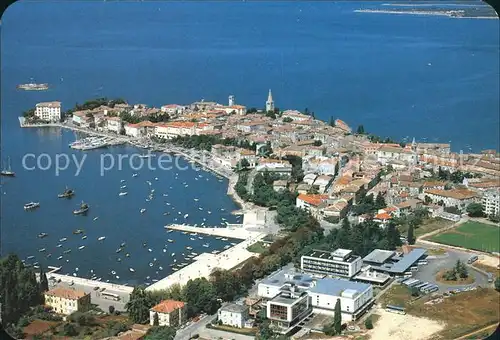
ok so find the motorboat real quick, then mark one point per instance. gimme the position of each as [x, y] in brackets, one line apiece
[131, 270]
[84, 207]
[42, 235]
[84, 237]
[59, 246]
[122, 193]
[78, 231]
[171, 241]
[31, 205]
[101, 238]
[123, 187]
[63, 239]
[123, 244]
[143, 210]
[67, 193]
[81, 247]
[41, 250]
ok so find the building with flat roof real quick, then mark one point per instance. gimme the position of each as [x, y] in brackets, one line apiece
[339, 263]
[391, 262]
[290, 307]
[355, 297]
[323, 293]
[49, 111]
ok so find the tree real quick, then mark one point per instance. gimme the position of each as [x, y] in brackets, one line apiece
[410, 237]
[427, 200]
[380, 201]
[111, 309]
[393, 236]
[265, 331]
[497, 284]
[160, 333]
[317, 143]
[156, 321]
[337, 318]
[287, 120]
[475, 210]
[44, 283]
[461, 270]
[139, 304]
[243, 164]
[332, 121]
[69, 329]
[361, 130]
[369, 323]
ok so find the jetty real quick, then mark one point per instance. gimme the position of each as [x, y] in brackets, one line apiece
[236, 231]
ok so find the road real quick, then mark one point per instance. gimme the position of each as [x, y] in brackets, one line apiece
[95, 295]
[194, 328]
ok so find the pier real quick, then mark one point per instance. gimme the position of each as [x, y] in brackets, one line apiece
[231, 231]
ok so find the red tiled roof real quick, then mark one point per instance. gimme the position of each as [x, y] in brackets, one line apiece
[66, 293]
[313, 199]
[168, 306]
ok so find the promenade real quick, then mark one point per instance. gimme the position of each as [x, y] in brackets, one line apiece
[205, 263]
[232, 231]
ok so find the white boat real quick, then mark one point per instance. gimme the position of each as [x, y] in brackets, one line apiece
[63, 239]
[173, 254]
[131, 270]
[160, 268]
[143, 210]
[41, 250]
[113, 272]
[84, 237]
[31, 205]
[200, 208]
[134, 175]
[206, 245]
[189, 248]
[60, 257]
[150, 250]
[156, 178]
[224, 239]
[171, 241]
[150, 264]
[196, 199]
[101, 238]
[209, 212]
[192, 238]
[81, 247]
[121, 181]
[186, 216]
[122, 193]
[95, 218]
[59, 246]
[123, 187]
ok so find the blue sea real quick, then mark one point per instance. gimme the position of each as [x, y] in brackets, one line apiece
[402, 76]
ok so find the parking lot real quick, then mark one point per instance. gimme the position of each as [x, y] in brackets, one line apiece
[427, 273]
[96, 296]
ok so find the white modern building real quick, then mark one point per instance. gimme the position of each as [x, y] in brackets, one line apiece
[49, 111]
[491, 202]
[339, 263]
[292, 296]
[354, 297]
[233, 315]
[291, 306]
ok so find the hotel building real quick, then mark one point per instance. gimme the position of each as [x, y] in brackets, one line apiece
[49, 111]
[170, 313]
[339, 263]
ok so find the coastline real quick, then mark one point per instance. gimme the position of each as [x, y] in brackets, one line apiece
[448, 14]
[187, 154]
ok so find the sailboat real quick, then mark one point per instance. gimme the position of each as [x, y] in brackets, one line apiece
[7, 171]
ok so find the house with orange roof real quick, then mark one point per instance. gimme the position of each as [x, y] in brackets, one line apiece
[312, 203]
[382, 218]
[170, 313]
[67, 300]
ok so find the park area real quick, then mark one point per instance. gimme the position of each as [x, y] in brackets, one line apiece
[471, 235]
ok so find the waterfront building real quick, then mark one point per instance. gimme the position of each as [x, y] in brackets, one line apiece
[114, 124]
[170, 313]
[491, 202]
[49, 111]
[80, 119]
[233, 315]
[339, 263]
[269, 102]
[459, 198]
[66, 301]
[134, 130]
[393, 263]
